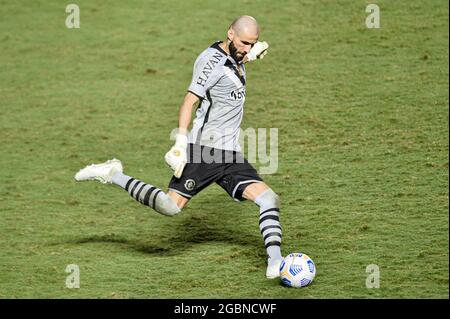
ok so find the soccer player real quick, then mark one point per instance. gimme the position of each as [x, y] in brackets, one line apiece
[218, 84]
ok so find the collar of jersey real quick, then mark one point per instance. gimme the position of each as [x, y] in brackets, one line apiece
[216, 46]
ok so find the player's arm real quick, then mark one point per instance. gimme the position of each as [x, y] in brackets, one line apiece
[176, 157]
[185, 114]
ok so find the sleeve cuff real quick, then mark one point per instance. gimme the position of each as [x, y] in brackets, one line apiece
[196, 94]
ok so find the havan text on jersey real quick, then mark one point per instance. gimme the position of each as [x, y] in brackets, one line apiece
[208, 68]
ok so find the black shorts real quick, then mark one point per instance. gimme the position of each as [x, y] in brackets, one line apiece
[207, 165]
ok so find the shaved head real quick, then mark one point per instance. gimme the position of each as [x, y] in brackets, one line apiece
[245, 25]
[242, 34]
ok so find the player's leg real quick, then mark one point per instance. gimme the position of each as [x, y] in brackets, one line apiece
[149, 195]
[112, 172]
[253, 190]
[241, 181]
[269, 223]
[178, 199]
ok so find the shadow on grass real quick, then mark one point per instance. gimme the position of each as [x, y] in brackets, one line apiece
[191, 228]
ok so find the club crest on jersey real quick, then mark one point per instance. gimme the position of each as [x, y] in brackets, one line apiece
[189, 184]
[238, 94]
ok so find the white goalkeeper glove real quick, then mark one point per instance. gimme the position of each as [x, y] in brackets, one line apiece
[176, 158]
[258, 51]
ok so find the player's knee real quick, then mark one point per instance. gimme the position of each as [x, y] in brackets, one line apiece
[172, 210]
[275, 199]
[167, 206]
[268, 199]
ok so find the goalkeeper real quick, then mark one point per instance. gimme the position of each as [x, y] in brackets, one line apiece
[210, 151]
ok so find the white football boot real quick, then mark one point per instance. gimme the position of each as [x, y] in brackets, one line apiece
[273, 268]
[100, 172]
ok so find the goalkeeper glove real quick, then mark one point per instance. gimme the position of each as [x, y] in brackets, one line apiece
[258, 51]
[176, 157]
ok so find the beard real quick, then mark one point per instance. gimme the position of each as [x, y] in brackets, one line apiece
[234, 53]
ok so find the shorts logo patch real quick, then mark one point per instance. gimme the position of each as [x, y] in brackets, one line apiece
[189, 184]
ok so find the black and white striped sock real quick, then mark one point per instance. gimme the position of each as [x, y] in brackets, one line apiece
[270, 227]
[146, 194]
[269, 223]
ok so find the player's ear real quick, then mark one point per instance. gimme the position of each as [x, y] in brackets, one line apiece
[230, 34]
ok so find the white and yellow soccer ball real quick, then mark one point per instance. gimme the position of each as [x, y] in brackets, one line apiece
[297, 270]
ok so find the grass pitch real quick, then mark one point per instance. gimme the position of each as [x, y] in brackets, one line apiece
[363, 149]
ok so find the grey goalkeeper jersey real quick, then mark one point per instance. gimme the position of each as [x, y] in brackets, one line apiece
[219, 82]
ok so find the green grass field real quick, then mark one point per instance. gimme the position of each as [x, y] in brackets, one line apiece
[362, 116]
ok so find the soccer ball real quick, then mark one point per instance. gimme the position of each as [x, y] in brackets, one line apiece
[297, 270]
